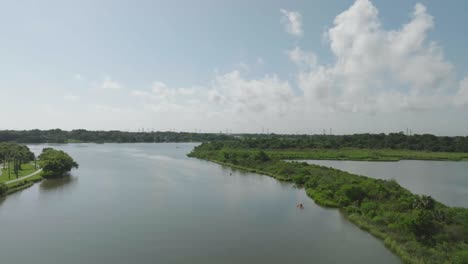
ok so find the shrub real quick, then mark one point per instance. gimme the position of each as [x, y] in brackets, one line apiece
[3, 189]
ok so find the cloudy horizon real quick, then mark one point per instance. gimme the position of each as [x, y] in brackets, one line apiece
[355, 67]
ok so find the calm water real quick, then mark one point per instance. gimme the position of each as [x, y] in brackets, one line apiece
[444, 180]
[149, 203]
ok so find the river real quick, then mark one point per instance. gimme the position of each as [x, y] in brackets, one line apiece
[149, 203]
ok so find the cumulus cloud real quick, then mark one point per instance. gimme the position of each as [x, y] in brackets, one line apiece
[256, 96]
[292, 22]
[229, 93]
[462, 96]
[110, 84]
[377, 69]
[302, 58]
[162, 98]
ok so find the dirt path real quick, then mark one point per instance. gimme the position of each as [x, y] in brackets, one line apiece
[24, 177]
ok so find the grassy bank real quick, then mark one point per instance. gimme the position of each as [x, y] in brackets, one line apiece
[20, 185]
[364, 154]
[416, 228]
[26, 169]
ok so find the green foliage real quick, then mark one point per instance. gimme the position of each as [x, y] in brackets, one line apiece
[14, 155]
[55, 163]
[261, 156]
[461, 257]
[353, 192]
[3, 189]
[368, 142]
[81, 135]
[287, 148]
[417, 228]
[26, 169]
[424, 226]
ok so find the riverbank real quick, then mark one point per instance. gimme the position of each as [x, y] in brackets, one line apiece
[26, 178]
[416, 228]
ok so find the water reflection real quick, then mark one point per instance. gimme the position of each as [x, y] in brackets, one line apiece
[57, 184]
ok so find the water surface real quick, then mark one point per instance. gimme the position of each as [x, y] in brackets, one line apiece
[446, 181]
[149, 203]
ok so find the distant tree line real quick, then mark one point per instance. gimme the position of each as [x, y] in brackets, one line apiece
[424, 142]
[81, 135]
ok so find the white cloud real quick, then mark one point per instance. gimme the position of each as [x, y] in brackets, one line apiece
[109, 84]
[301, 58]
[71, 97]
[242, 66]
[229, 94]
[292, 22]
[462, 96]
[256, 96]
[375, 69]
[78, 77]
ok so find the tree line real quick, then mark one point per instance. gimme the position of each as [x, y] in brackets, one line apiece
[420, 142]
[424, 142]
[81, 135]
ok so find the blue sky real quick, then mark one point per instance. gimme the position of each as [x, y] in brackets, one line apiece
[217, 65]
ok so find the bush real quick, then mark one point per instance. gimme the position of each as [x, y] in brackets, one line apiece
[3, 189]
[461, 257]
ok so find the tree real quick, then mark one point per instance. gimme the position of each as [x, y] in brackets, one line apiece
[55, 163]
[261, 156]
[354, 193]
[424, 226]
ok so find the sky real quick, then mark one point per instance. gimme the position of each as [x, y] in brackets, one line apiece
[239, 66]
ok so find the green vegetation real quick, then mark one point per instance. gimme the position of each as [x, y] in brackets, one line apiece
[13, 156]
[18, 161]
[81, 135]
[55, 163]
[417, 228]
[281, 148]
[365, 154]
[396, 141]
[26, 169]
[23, 184]
[392, 141]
